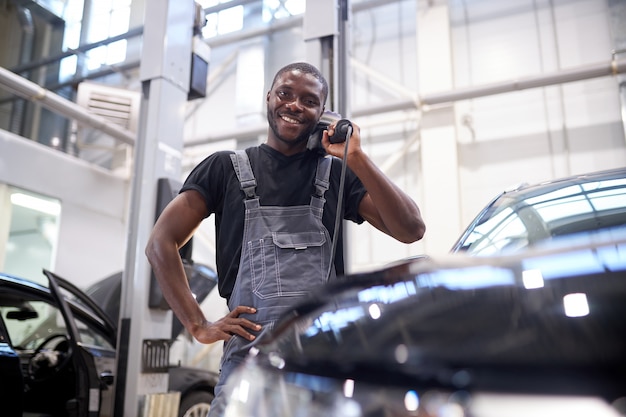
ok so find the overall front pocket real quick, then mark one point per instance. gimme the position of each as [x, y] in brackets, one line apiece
[288, 264]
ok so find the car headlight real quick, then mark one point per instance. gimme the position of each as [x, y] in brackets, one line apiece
[259, 391]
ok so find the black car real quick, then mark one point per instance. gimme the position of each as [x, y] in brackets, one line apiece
[530, 214]
[536, 333]
[57, 351]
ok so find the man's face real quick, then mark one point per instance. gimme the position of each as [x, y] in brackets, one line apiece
[294, 106]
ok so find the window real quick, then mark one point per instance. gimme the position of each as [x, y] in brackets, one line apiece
[107, 18]
[231, 19]
[225, 21]
[33, 228]
[72, 13]
[43, 321]
[278, 9]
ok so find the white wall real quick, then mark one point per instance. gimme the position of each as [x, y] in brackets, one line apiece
[92, 230]
[538, 134]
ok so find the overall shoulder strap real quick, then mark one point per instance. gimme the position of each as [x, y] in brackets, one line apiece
[322, 176]
[242, 167]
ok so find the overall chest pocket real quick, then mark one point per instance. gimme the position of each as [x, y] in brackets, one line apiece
[288, 264]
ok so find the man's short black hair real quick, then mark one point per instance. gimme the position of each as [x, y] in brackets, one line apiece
[307, 69]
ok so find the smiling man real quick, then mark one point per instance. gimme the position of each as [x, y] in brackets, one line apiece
[275, 207]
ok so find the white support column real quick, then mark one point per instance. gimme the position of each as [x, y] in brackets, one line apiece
[5, 222]
[250, 75]
[321, 32]
[440, 172]
[165, 74]
[250, 85]
[326, 29]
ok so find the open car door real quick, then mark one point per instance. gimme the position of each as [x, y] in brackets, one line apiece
[91, 339]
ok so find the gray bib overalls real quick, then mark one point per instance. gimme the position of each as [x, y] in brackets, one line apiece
[285, 253]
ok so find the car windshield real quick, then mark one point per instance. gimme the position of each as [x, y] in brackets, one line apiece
[530, 215]
[30, 319]
[31, 323]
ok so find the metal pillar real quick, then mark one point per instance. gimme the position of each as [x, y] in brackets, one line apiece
[165, 74]
[325, 32]
[617, 13]
[5, 222]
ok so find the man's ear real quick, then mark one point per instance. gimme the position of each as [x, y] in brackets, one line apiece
[322, 113]
[267, 97]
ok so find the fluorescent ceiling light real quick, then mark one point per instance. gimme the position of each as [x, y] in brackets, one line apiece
[532, 278]
[34, 203]
[576, 305]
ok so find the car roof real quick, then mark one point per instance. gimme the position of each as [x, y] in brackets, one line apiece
[544, 186]
[527, 214]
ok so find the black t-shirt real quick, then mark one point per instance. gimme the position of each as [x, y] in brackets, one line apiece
[281, 181]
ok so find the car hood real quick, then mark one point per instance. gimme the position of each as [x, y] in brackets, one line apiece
[107, 292]
[530, 322]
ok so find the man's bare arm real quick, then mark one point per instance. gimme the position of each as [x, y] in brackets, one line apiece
[385, 205]
[174, 227]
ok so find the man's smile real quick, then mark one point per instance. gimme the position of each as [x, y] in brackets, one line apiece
[290, 119]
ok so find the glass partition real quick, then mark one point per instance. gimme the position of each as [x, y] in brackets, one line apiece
[29, 229]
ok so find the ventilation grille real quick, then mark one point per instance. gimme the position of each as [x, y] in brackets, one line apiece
[114, 109]
[156, 355]
[117, 106]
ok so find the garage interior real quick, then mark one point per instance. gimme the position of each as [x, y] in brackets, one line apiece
[457, 100]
